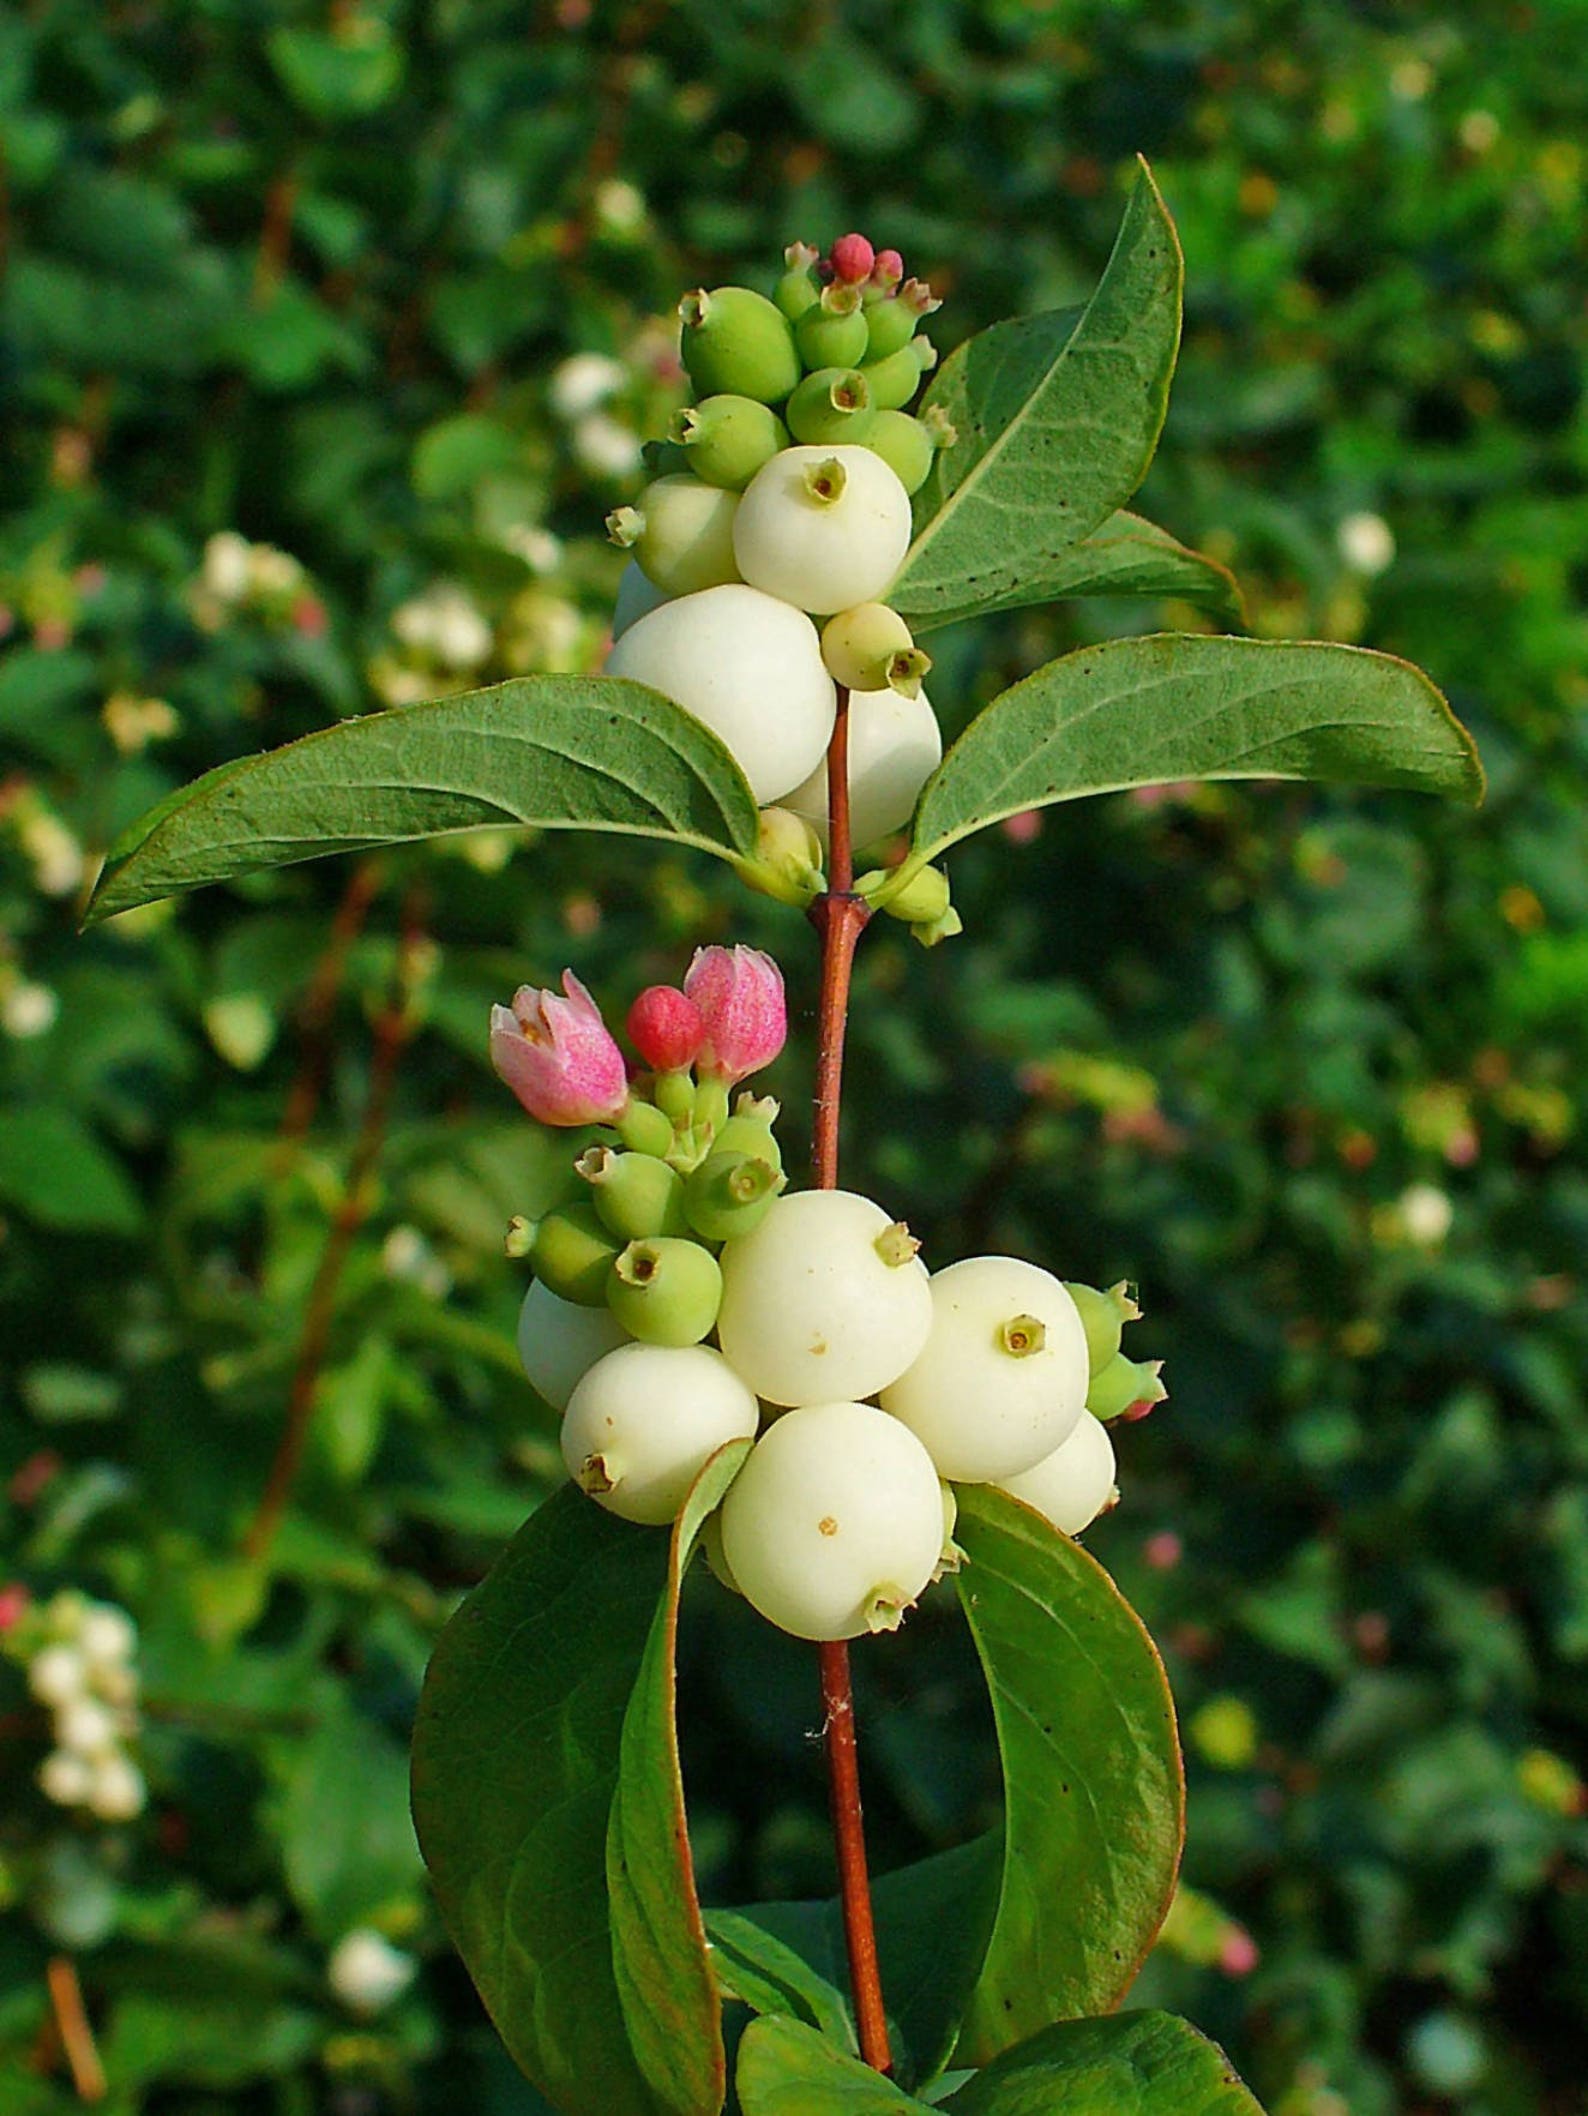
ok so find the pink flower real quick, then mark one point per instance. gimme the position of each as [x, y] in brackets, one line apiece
[739, 992]
[558, 1056]
[666, 1028]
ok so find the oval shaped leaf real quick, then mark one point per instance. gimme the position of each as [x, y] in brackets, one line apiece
[547, 1691]
[1056, 421]
[787, 2069]
[1135, 2064]
[1145, 712]
[670, 2000]
[1127, 556]
[1094, 1796]
[557, 752]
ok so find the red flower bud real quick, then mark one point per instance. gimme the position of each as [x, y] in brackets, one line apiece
[666, 1028]
[558, 1056]
[852, 259]
[887, 270]
[739, 992]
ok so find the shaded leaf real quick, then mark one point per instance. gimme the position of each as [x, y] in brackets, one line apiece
[787, 2069]
[53, 1169]
[1094, 1799]
[1146, 712]
[1126, 556]
[553, 751]
[516, 1760]
[1135, 2064]
[1056, 421]
[670, 2001]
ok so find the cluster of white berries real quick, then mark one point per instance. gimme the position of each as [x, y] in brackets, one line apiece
[82, 1668]
[747, 538]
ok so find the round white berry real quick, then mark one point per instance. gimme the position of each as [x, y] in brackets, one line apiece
[1074, 1484]
[367, 1973]
[116, 1791]
[86, 1726]
[895, 745]
[1001, 1379]
[57, 1675]
[825, 1298]
[822, 528]
[645, 1420]
[107, 1637]
[835, 1524]
[65, 1777]
[750, 668]
[559, 1342]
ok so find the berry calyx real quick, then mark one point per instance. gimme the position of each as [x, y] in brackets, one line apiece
[729, 1194]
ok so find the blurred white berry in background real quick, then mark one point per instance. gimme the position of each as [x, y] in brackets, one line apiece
[446, 623]
[1426, 1212]
[367, 1973]
[1366, 543]
[584, 383]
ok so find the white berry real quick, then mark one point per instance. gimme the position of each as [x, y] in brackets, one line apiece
[824, 1299]
[57, 1675]
[835, 1524]
[116, 1791]
[367, 1973]
[559, 1342]
[1074, 1484]
[1001, 1380]
[644, 1422]
[750, 668]
[822, 528]
[65, 1777]
[895, 745]
[107, 1636]
[86, 1726]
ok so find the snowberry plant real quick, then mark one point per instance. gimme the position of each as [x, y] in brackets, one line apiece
[766, 1369]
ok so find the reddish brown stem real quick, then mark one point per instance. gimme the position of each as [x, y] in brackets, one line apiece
[319, 1004]
[392, 1031]
[74, 2030]
[840, 918]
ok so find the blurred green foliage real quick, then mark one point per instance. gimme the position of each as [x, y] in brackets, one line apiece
[308, 402]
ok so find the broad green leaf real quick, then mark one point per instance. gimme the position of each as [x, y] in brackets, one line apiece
[1144, 712]
[933, 1920]
[1127, 556]
[553, 751]
[1056, 420]
[670, 2000]
[516, 1761]
[788, 2069]
[54, 1170]
[346, 1838]
[1135, 2064]
[1094, 1799]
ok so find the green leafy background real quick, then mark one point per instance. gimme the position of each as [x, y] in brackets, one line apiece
[313, 276]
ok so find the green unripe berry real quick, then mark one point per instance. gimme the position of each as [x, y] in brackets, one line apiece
[681, 533]
[798, 289]
[1121, 1384]
[574, 1254]
[711, 1105]
[726, 439]
[675, 1096]
[869, 647]
[749, 1130]
[645, 1128]
[1103, 1316]
[665, 1290]
[636, 1195]
[905, 445]
[923, 900]
[894, 381]
[728, 1194]
[738, 342]
[831, 406]
[833, 332]
[890, 325]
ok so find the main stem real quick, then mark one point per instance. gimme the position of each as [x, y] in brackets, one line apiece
[839, 916]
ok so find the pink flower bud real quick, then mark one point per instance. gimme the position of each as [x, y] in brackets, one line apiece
[852, 258]
[1238, 1952]
[739, 992]
[666, 1028]
[558, 1056]
[887, 270]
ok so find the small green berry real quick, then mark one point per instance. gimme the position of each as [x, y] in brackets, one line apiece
[1123, 1385]
[681, 533]
[738, 342]
[665, 1290]
[636, 1195]
[831, 406]
[869, 648]
[574, 1253]
[894, 381]
[725, 440]
[798, 289]
[1104, 1316]
[729, 1194]
[833, 333]
[645, 1128]
[905, 445]
[749, 1130]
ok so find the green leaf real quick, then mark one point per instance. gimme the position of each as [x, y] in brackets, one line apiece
[771, 1975]
[347, 1841]
[1057, 419]
[1094, 1799]
[53, 1169]
[1127, 556]
[1136, 2064]
[1144, 712]
[553, 751]
[671, 2005]
[787, 2069]
[515, 1763]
